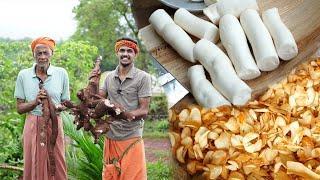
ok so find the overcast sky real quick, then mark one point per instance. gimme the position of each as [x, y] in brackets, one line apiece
[34, 18]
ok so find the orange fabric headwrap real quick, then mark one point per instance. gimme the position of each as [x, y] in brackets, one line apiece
[43, 40]
[127, 43]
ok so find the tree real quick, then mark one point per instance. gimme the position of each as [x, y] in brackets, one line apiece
[102, 22]
[78, 59]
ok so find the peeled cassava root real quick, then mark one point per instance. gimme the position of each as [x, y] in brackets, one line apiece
[235, 42]
[215, 11]
[159, 19]
[172, 34]
[221, 71]
[202, 89]
[284, 41]
[274, 137]
[233, 37]
[196, 26]
[261, 42]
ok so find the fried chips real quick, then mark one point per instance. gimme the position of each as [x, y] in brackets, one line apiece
[276, 136]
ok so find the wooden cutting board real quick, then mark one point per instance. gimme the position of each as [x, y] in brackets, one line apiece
[302, 17]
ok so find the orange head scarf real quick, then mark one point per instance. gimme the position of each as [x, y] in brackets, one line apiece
[43, 40]
[126, 42]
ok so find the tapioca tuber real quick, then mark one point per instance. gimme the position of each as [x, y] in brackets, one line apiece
[49, 127]
[90, 112]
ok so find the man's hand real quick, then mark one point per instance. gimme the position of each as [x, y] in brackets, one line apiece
[42, 94]
[60, 107]
[23, 107]
[137, 114]
[128, 116]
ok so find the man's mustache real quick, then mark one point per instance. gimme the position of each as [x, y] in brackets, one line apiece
[124, 57]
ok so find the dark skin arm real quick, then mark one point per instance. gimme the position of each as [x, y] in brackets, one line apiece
[139, 113]
[24, 107]
[136, 114]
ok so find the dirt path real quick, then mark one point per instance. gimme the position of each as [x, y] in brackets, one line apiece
[157, 149]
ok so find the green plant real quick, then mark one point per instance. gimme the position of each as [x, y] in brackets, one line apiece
[84, 158]
[158, 108]
[155, 129]
[11, 125]
[162, 125]
[159, 171]
[102, 22]
[78, 60]
[162, 154]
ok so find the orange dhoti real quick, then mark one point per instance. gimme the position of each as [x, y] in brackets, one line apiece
[132, 166]
[36, 158]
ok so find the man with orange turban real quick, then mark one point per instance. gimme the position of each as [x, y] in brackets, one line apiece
[129, 87]
[38, 161]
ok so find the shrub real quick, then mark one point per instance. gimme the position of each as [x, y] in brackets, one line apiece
[158, 108]
[159, 171]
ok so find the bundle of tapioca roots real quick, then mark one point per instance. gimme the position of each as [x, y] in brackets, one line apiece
[276, 136]
[239, 21]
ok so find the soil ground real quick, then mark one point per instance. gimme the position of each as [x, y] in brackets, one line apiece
[157, 149]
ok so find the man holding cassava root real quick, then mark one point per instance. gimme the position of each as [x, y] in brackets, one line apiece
[129, 88]
[39, 91]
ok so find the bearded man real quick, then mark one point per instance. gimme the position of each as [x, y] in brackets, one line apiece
[130, 88]
[44, 159]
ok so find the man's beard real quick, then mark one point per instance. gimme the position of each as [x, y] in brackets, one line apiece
[43, 66]
[125, 64]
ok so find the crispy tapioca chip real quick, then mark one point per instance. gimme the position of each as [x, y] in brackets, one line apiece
[276, 136]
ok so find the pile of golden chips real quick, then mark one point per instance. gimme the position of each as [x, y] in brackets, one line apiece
[274, 137]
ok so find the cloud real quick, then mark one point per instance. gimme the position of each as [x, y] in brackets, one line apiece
[20, 19]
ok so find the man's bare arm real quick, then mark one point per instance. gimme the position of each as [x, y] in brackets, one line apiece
[23, 107]
[141, 112]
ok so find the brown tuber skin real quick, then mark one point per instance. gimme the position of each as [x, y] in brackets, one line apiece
[93, 106]
[50, 116]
